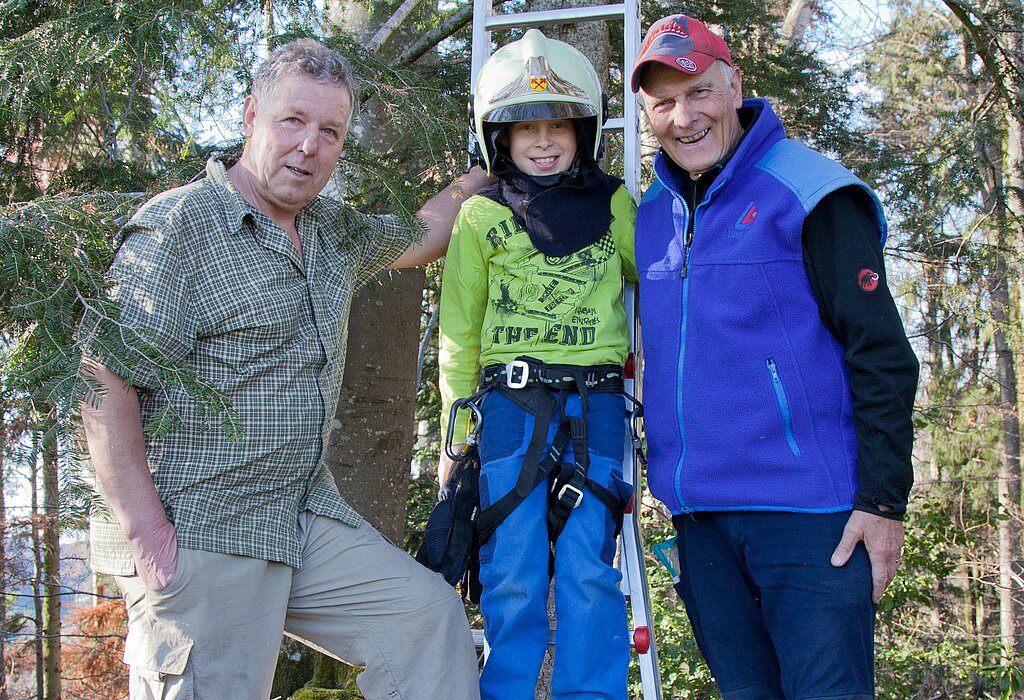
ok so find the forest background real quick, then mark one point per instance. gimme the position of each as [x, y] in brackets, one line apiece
[106, 102]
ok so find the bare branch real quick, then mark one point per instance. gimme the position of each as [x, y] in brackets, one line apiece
[456, 21]
[392, 23]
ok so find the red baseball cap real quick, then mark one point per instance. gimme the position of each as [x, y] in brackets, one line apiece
[682, 43]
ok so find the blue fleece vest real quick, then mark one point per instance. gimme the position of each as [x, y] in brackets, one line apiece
[746, 393]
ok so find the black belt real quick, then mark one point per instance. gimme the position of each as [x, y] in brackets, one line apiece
[525, 371]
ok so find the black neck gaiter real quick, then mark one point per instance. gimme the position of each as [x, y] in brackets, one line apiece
[561, 213]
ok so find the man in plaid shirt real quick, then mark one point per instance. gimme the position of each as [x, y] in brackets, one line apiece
[218, 546]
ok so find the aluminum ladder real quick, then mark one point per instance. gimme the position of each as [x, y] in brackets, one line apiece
[631, 554]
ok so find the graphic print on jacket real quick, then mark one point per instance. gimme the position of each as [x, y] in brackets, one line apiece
[501, 298]
[552, 291]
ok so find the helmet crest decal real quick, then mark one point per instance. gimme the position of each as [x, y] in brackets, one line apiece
[536, 77]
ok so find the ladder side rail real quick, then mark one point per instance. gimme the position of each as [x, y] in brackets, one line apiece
[634, 574]
[640, 606]
[631, 540]
[630, 117]
[481, 49]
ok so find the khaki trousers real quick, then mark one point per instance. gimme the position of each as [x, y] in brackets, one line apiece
[214, 632]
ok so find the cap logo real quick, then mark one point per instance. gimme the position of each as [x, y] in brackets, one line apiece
[686, 64]
[538, 83]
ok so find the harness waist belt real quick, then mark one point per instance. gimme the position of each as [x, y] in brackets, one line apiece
[524, 371]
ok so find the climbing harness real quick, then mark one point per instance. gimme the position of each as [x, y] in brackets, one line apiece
[542, 390]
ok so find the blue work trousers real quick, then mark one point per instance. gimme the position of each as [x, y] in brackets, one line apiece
[772, 617]
[591, 655]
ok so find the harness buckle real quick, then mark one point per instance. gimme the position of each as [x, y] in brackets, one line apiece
[575, 493]
[513, 382]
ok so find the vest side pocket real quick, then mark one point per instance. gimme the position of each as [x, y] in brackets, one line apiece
[783, 403]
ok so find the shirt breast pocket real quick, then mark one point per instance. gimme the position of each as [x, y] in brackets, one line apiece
[252, 312]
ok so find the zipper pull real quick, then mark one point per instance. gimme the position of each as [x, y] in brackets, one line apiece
[773, 369]
[686, 254]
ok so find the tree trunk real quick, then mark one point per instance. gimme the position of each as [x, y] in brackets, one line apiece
[933, 304]
[369, 449]
[268, 18]
[990, 162]
[1014, 168]
[798, 18]
[37, 560]
[370, 446]
[1009, 471]
[4, 437]
[350, 16]
[51, 567]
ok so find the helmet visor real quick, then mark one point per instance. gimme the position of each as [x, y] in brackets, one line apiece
[540, 110]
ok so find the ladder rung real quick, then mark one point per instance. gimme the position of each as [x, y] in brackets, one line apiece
[565, 15]
[613, 124]
[478, 637]
[643, 640]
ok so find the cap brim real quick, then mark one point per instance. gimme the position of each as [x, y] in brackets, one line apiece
[693, 63]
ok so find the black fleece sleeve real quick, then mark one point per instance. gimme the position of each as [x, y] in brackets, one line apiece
[843, 258]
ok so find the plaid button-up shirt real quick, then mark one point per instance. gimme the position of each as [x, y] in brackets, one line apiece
[218, 285]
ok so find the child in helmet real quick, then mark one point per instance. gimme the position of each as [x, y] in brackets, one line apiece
[531, 309]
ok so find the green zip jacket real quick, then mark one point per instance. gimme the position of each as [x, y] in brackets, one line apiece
[502, 298]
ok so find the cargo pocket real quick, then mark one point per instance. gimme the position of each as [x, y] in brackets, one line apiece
[157, 650]
[157, 654]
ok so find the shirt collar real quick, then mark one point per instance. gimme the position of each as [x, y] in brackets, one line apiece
[234, 204]
[238, 208]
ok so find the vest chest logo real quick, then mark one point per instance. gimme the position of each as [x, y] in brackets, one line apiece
[747, 219]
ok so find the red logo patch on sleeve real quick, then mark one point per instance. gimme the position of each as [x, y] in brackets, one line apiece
[868, 280]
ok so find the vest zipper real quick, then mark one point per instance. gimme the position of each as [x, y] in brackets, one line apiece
[780, 398]
[683, 298]
[691, 226]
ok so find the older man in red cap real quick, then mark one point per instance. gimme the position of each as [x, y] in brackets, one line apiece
[780, 382]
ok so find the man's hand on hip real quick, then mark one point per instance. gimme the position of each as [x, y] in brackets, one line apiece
[882, 538]
[155, 551]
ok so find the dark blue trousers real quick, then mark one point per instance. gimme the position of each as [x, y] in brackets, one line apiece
[591, 659]
[771, 616]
